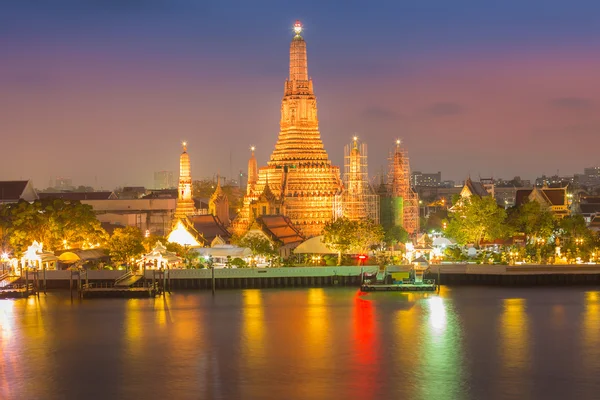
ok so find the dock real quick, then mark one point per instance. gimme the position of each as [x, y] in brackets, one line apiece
[15, 287]
[128, 285]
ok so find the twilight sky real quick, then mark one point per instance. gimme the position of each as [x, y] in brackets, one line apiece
[104, 91]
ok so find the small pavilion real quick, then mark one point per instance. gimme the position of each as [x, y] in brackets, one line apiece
[36, 258]
[159, 257]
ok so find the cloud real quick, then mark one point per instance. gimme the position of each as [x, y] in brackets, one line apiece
[376, 112]
[444, 108]
[571, 103]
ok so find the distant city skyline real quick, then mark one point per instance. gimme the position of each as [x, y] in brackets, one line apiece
[104, 92]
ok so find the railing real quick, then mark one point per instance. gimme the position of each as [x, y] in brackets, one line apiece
[123, 278]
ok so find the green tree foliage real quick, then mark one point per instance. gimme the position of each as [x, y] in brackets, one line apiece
[258, 244]
[239, 263]
[435, 221]
[476, 219]
[368, 235]
[533, 220]
[395, 235]
[344, 235]
[339, 236]
[125, 244]
[56, 223]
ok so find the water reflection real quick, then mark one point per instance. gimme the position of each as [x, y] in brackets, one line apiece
[253, 327]
[366, 348]
[591, 329]
[442, 364]
[515, 348]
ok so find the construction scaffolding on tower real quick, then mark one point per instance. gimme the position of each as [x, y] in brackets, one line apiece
[358, 200]
[406, 203]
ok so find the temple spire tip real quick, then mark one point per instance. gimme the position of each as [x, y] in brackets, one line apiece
[298, 27]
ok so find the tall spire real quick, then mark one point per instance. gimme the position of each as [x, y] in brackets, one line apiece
[185, 204]
[298, 63]
[252, 171]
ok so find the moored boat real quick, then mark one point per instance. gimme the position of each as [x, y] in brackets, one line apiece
[399, 279]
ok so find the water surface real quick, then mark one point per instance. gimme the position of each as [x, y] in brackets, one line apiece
[465, 343]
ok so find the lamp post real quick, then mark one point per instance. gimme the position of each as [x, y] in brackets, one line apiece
[4, 260]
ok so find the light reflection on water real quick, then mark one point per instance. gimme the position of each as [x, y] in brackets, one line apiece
[303, 344]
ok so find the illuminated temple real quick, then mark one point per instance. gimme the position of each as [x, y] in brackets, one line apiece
[298, 181]
[185, 203]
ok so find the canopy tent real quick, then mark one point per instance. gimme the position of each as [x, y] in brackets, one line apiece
[313, 245]
[75, 255]
[222, 251]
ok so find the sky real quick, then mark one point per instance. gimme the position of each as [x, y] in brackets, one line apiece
[104, 91]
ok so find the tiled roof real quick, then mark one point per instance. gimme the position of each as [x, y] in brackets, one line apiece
[210, 227]
[556, 196]
[12, 190]
[522, 196]
[589, 208]
[77, 195]
[280, 228]
[476, 188]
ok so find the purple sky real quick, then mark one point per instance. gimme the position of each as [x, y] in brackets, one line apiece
[104, 91]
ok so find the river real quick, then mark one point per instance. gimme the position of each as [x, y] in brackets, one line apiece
[463, 343]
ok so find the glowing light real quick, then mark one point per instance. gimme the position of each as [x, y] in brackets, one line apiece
[5, 256]
[181, 236]
[437, 313]
[398, 142]
[252, 148]
[355, 138]
[298, 27]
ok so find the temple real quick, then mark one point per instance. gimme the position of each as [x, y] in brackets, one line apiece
[358, 201]
[399, 202]
[185, 204]
[299, 181]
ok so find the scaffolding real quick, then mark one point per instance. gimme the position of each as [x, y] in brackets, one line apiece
[406, 200]
[358, 201]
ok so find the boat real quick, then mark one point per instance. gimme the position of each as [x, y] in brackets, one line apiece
[399, 279]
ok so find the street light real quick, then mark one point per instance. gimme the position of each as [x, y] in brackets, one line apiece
[5, 258]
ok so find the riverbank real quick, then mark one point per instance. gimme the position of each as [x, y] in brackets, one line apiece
[447, 274]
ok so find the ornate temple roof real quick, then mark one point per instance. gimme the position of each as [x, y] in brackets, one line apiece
[210, 227]
[280, 228]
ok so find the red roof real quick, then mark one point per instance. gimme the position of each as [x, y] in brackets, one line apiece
[280, 228]
[12, 190]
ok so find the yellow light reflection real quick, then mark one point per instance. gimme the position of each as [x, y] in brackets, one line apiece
[253, 330]
[6, 319]
[591, 329]
[514, 348]
[317, 328]
[133, 326]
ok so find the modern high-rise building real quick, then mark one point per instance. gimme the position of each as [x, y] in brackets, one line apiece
[419, 178]
[164, 180]
[299, 180]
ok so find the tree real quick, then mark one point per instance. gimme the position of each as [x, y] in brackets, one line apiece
[368, 235]
[125, 244]
[476, 219]
[395, 235]
[344, 235]
[258, 244]
[435, 221]
[339, 236]
[533, 220]
[56, 223]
